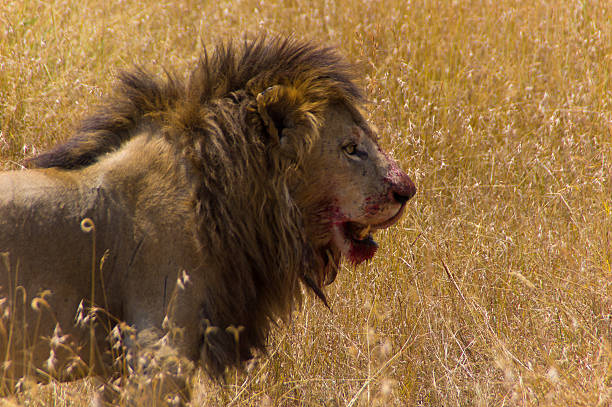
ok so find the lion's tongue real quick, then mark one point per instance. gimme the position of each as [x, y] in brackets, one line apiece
[362, 250]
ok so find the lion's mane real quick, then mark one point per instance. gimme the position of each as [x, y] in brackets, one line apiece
[250, 229]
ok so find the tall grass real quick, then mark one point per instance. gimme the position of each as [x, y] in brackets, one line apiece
[496, 288]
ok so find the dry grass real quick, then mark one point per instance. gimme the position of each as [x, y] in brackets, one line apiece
[496, 288]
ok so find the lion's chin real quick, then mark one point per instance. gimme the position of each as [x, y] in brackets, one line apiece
[355, 242]
[331, 263]
[351, 240]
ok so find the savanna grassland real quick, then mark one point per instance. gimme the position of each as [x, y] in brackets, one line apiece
[496, 287]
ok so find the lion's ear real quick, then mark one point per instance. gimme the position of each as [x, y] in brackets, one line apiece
[281, 108]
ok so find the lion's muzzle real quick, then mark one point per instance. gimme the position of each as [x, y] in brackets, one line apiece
[402, 187]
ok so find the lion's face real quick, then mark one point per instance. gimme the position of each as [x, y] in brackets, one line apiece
[354, 188]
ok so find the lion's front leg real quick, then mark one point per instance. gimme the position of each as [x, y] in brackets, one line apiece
[159, 351]
[159, 372]
[154, 373]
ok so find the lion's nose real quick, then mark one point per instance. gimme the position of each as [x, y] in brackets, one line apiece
[401, 198]
[403, 189]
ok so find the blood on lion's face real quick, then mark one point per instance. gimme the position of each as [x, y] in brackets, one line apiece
[359, 189]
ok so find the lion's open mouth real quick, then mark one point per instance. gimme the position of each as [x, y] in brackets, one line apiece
[360, 240]
[352, 240]
[359, 244]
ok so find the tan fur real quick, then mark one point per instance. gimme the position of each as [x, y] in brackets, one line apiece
[211, 198]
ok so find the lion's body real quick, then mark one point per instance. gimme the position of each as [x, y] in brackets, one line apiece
[211, 201]
[142, 216]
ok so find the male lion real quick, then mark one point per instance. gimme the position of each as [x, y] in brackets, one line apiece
[207, 201]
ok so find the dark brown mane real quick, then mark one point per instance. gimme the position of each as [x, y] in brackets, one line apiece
[142, 100]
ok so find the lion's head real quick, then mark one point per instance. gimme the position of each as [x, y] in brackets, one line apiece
[352, 189]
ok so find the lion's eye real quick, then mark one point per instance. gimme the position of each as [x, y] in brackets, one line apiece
[354, 153]
[350, 149]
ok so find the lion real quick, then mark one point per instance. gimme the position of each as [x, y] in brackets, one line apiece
[189, 213]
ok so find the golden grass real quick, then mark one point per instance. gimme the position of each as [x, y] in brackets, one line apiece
[496, 288]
